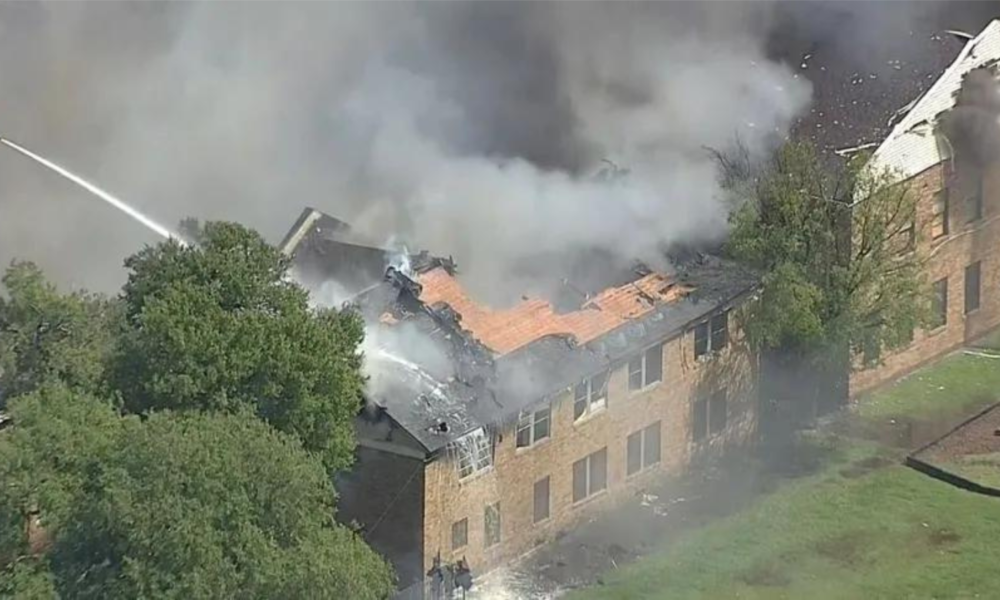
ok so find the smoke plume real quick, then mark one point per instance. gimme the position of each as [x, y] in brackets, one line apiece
[466, 129]
[973, 125]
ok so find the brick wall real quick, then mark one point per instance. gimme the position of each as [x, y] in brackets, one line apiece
[511, 480]
[948, 256]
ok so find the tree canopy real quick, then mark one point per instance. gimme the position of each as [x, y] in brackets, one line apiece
[174, 505]
[48, 336]
[838, 251]
[220, 327]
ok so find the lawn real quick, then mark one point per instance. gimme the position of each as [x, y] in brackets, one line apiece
[983, 469]
[869, 531]
[958, 384]
[864, 526]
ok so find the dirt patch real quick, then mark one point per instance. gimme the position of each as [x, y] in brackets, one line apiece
[846, 549]
[904, 432]
[765, 575]
[863, 467]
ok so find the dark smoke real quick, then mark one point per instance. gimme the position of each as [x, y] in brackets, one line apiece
[973, 126]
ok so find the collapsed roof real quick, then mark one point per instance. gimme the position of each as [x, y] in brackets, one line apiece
[442, 364]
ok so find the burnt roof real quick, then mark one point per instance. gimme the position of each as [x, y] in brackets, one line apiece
[486, 388]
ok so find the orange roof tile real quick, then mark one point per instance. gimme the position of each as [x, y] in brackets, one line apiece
[506, 330]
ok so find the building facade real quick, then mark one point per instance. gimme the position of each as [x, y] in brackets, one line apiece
[957, 220]
[490, 431]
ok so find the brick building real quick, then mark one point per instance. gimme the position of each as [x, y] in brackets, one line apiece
[490, 430]
[958, 215]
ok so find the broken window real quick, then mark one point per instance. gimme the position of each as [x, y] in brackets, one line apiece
[939, 219]
[590, 475]
[974, 203]
[541, 500]
[590, 395]
[459, 534]
[712, 335]
[643, 449]
[646, 369]
[491, 525]
[939, 303]
[972, 273]
[533, 427]
[710, 416]
[473, 453]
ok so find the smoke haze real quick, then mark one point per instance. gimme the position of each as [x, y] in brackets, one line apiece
[467, 129]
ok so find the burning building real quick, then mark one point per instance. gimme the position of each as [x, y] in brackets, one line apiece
[489, 430]
[945, 147]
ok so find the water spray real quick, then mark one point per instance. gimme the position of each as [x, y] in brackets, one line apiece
[93, 189]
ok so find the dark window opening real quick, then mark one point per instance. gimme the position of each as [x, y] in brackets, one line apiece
[710, 416]
[712, 335]
[541, 500]
[974, 203]
[533, 427]
[590, 395]
[972, 275]
[939, 220]
[459, 534]
[654, 365]
[939, 303]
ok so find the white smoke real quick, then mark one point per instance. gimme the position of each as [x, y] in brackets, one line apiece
[467, 129]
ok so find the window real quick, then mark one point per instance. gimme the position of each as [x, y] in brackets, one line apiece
[939, 220]
[974, 203]
[645, 369]
[717, 412]
[590, 395]
[906, 238]
[541, 500]
[590, 475]
[473, 452]
[939, 303]
[491, 525]
[972, 287]
[712, 335]
[459, 534]
[643, 449]
[533, 427]
[710, 416]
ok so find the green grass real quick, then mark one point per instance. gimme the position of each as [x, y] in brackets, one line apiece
[958, 384]
[886, 534]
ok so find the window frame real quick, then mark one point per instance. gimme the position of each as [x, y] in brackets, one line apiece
[940, 198]
[642, 359]
[488, 539]
[710, 332]
[528, 421]
[977, 268]
[464, 523]
[703, 425]
[478, 459]
[589, 469]
[642, 436]
[593, 403]
[535, 518]
[942, 298]
[975, 200]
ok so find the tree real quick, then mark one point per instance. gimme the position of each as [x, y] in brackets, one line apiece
[220, 326]
[173, 505]
[46, 336]
[838, 252]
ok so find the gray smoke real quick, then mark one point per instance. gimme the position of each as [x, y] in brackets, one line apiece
[466, 129]
[973, 125]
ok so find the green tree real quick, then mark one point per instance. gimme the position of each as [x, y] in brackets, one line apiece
[173, 505]
[839, 254]
[48, 336]
[220, 326]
